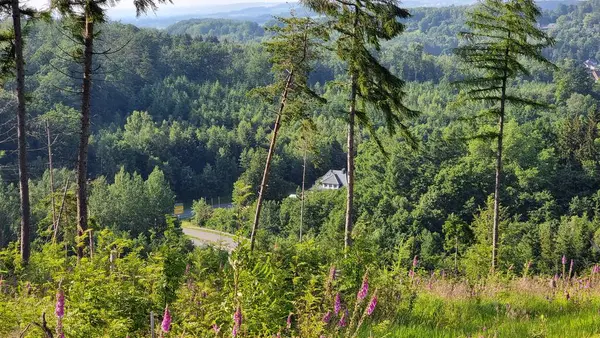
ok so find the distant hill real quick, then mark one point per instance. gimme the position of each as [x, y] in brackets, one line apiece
[223, 29]
[262, 13]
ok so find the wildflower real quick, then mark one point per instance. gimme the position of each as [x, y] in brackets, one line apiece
[237, 317]
[166, 323]
[415, 261]
[289, 321]
[216, 328]
[571, 267]
[237, 321]
[343, 322]
[564, 260]
[337, 304]
[372, 305]
[278, 335]
[411, 273]
[332, 273]
[364, 288]
[60, 304]
[327, 317]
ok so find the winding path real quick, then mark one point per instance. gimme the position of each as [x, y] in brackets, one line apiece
[202, 237]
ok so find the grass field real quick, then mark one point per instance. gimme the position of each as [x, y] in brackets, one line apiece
[519, 308]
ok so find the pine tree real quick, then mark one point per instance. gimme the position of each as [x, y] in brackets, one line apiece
[502, 35]
[13, 63]
[293, 51]
[361, 25]
[86, 14]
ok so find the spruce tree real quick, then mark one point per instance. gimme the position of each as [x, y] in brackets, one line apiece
[13, 63]
[502, 34]
[293, 49]
[360, 26]
[85, 14]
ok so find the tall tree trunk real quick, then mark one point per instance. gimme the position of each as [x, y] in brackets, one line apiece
[350, 164]
[498, 185]
[21, 136]
[303, 191]
[265, 178]
[51, 168]
[82, 156]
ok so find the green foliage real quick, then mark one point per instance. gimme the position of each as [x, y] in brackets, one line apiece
[132, 204]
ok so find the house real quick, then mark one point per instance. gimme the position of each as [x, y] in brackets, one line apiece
[332, 180]
[594, 68]
[591, 64]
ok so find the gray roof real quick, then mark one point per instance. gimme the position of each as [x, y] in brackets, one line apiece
[335, 177]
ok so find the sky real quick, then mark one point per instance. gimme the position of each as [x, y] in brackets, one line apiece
[125, 4]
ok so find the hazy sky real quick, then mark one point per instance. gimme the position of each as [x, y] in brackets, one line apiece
[177, 3]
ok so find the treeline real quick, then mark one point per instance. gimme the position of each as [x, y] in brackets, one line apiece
[179, 106]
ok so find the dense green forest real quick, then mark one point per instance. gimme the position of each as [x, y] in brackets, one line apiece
[176, 118]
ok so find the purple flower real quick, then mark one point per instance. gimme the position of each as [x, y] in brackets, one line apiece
[166, 323]
[564, 260]
[343, 322]
[364, 289]
[237, 321]
[278, 335]
[216, 328]
[411, 273]
[332, 273]
[372, 305]
[415, 261]
[60, 304]
[337, 304]
[289, 321]
[237, 317]
[327, 317]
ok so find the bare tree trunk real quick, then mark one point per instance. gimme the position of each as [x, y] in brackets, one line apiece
[265, 178]
[350, 169]
[303, 191]
[62, 208]
[21, 134]
[51, 168]
[498, 185]
[82, 211]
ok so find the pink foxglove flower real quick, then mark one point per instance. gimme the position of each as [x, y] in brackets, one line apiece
[237, 317]
[327, 317]
[60, 304]
[372, 305]
[337, 304]
[332, 273]
[364, 289]
[216, 328]
[343, 322]
[289, 321]
[415, 261]
[166, 323]
[564, 260]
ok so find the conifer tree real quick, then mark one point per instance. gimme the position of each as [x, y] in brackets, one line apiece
[13, 63]
[85, 14]
[502, 34]
[293, 50]
[360, 26]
